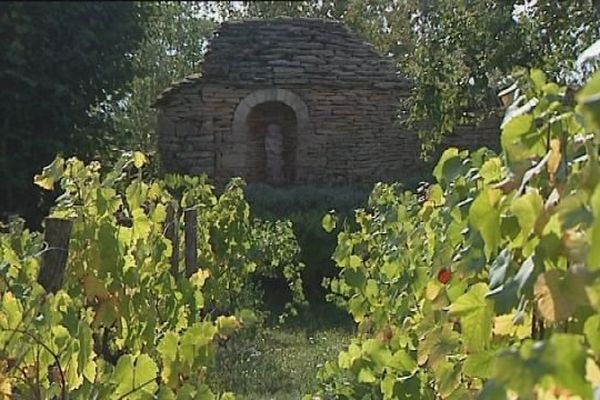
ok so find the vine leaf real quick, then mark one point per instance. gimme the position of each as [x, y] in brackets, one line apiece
[512, 132]
[355, 277]
[448, 166]
[480, 365]
[573, 210]
[533, 172]
[50, 174]
[387, 386]
[139, 159]
[167, 348]
[476, 314]
[376, 351]
[492, 390]
[591, 330]
[11, 313]
[538, 78]
[557, 295]
[134, 376]
[436, 345]
[448, 378]
[491, 170]
[589, 97]
[484, 217]
[504, 325]
[365, 375]
[86, 355]
[499, 268]
[141, 224]
[527, 208]
[194, 341]
[347, 358]
[402, 361]
[554, 160]
[565, 358]
[227, 325]
[593, 258]
[329, 222]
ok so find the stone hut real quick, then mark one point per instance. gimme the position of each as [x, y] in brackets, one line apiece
[332, 97]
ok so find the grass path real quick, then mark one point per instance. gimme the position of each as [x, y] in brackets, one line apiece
[281, 362]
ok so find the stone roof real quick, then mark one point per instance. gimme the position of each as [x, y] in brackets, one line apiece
[187, 81]
[292, 51]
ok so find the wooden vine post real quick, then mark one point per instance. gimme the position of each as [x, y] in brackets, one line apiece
[190, 219]
[55, 256]
[171, 233]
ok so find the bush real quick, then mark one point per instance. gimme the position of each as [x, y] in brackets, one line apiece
[305, 206]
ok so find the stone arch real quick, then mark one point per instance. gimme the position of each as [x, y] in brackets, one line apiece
[240, 129]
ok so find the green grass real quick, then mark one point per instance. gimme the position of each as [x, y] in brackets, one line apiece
[281, 362]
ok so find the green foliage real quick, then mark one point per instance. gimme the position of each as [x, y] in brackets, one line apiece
[461, 49]
[269, 202]
[125, 323]
[468, 47]
[489, 287]
[58, 62]
[304, 207]
[237, 247]
[172, 48]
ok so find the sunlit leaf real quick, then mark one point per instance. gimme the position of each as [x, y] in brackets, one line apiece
[448, 166]
[491, 170]
[476, 314]
[480, 365]
[485, 217]
[50, 174]
[592, 332]
[135, 374]
[527, 208]
[139, 159]
[329, 222]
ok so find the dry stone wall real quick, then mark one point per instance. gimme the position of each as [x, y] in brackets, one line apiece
[294, 51]
[345, 98]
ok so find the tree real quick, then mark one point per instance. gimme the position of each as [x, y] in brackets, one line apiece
[58, 60]
[461, 50]
[174, 39]
[464, 50]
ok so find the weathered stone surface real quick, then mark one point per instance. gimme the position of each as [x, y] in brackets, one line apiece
[337, 102]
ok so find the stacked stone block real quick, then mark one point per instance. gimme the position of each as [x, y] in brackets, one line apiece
[345, 97]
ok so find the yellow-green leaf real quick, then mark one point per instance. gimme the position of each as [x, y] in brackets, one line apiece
[527, 208]
[139, 159]
[476, 313]
[50, 174]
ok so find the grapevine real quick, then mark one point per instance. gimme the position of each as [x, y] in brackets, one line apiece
[125, 323]
[489, 287]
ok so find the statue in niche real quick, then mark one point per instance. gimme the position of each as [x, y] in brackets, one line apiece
[274, 155]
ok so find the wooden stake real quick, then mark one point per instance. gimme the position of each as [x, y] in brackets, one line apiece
[54, 258]
[190, 219]
[172, 234]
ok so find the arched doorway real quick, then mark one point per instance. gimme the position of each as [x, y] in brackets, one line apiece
[263, 110]
[271, 143]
